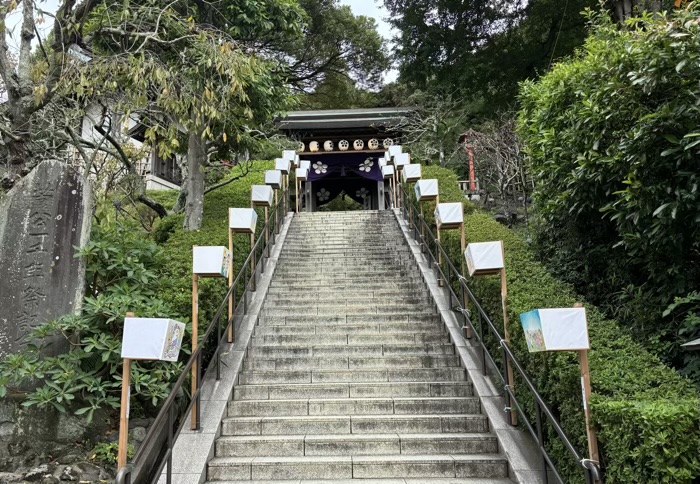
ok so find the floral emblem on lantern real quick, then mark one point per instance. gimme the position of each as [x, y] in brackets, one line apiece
[388, 142]
[300, 147]
[366, 165]
[343, 144]
[362, 193]
[358, 144]
[320, 168]
[323, 195]
[373, 144]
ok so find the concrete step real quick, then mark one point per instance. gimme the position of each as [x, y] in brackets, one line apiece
[356, 444]
[357, 467]
[349, 362]
[352, 350]
[351, 319]
[282, 391]
[349, 339]
[347, 310]
[333, 295]
[355, 406]
[262, 377]
[359, 329]
[355, 424]
[420, 480]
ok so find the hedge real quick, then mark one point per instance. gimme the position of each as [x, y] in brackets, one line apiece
[646, 415]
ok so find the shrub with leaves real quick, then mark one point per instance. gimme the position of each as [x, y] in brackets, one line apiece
[124, 274]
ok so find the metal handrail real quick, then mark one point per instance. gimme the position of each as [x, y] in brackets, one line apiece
[435, 253]
[166, 421]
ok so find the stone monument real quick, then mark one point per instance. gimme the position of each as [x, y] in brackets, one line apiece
[42, 219]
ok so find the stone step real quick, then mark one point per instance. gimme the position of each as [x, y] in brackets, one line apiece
[321, 302]
[355, 444]
[351, 363]
[352, 319]
[357, 467]
[355, 406]
[282, 391]
[420, 480]
[313, 287]
[352, 339]
[263, 377]
[309, 280]
[358, 329]
[353, 350]
[347, 311]
[332, 295]
[355, 424]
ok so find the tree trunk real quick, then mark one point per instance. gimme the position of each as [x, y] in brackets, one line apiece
[196, 160]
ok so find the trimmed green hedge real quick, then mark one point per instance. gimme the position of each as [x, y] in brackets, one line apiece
[647, 416]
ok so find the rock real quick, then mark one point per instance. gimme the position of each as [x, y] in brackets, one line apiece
[8, 477]
[69, 474]
[42, 219]
[88, 472]
[499, 217]
[37, 473]
[137, 434]
[49, 479]
[138, 422]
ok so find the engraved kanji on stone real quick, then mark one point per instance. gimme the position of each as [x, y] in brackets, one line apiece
[36, 244]
[35, 269]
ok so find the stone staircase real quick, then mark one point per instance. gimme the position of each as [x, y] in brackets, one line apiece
[350, 374]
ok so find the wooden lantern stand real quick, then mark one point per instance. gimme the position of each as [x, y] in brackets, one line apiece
[124, 411]
[195, 342]
[506, 334]
[229, 336]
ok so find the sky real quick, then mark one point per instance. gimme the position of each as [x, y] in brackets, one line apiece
[369, 8]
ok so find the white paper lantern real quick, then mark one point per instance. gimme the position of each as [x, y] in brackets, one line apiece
[555, 329]
[411, 173]
[211, 261]
[305, 164]
[387, 171]
[313, 146]
[394, 150]
[358, 144]
[301, 147]
[290, 155]
[302, 174]
[152, 339]
[261, 195]
[273, 178]
[448, 215]
[382, 162]
[484, 258]
[402, 159]
[387, 158]
[426, 190]
[388, 142]
[328, 145]
[242, 220]
[373, 144]
[343, 145]
[283, 165]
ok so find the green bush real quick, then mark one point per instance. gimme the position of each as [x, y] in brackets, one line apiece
[612, 139]
[646, 415]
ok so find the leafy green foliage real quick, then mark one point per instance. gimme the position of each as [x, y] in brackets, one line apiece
[107, 452]
[646, 416]
[612, 140]
[123, 273]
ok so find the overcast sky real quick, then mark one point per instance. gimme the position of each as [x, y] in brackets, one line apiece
[370, 8]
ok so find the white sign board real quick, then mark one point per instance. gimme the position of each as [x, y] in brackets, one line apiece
[387, 171]
[302, 174]
[411, 173]
[273, 178]
[283, 165]
[261, 195]
[152, 339]
[484, 258]
[556, 329]
[426, 190]
[402, 159]
[305, 164]
[448, 215]
[211, 261]
[242, 220]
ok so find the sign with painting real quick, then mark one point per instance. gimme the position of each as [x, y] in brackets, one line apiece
[211, 261]
[556, 329]
[152, 339]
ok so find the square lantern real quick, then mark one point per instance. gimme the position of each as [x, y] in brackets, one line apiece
[402, 159]
[273, 178]
[426, 190]
[382, 162]
[556, 329]
[242, 220]
[152, 339]
[411, 173]
[449, 215]
[302, 174]
[387, 171]
[290, 155]
[305, 164]
[261, 195]
[394, 151]
[387, 158]
[212, 261]
[484, 258]
[283, 165]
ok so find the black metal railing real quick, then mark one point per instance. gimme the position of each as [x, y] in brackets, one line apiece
[436, 256]
[156, 450]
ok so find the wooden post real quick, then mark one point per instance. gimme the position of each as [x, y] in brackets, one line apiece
[277, 211]
[252, 262]
[296, 185]
[229, 336]
[267, 233]
[467, 329]
[124, 411]
[422, 225]
[396, 205]
[506, 336]
[439, 253]
[195, 336]
[586, 389]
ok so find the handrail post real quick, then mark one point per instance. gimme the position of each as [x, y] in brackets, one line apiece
[540, 440]
[171, 423]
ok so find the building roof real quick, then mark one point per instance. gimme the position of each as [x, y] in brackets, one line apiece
[333, 119]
